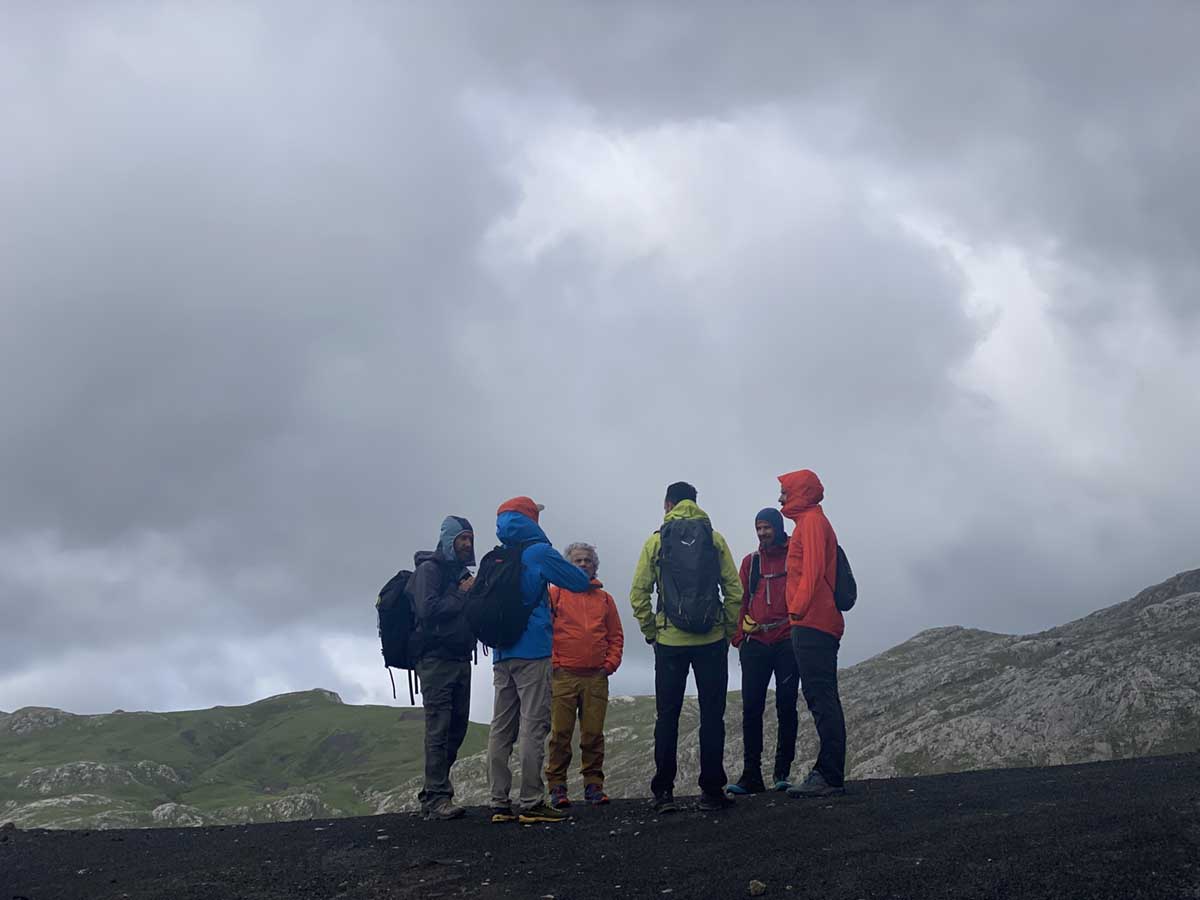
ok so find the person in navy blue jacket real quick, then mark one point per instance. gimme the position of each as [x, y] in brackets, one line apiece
[521, 673]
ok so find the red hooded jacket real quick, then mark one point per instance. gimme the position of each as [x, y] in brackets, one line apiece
[812, 555]
[768, 604]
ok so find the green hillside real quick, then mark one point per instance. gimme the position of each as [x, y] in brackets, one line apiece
[294, 755]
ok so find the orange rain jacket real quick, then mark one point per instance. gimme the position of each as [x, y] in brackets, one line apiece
[587, 630]
[812, 556]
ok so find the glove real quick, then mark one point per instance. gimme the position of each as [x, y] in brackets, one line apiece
[749, 626]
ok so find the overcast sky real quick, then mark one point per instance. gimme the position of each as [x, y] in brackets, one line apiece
[283, 285]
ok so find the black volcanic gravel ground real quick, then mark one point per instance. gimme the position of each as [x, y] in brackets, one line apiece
[1104, 830]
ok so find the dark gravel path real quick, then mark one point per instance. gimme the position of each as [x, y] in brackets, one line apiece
[1105, 830]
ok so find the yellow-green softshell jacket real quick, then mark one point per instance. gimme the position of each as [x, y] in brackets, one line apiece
[645, 580]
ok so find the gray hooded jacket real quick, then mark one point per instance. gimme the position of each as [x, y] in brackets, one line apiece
[442, 630]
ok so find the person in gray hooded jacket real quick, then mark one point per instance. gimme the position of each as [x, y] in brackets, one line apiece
[443, 644]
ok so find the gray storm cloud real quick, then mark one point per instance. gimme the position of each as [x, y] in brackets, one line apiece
[282, 288]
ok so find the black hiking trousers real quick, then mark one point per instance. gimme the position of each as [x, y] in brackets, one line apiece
[710, 664]
[816, 658]
[760, 661]
[446, 695]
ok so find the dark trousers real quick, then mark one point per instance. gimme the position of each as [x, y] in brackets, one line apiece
[759, 662]
[446, 695]
[816, 657]
[671, 664]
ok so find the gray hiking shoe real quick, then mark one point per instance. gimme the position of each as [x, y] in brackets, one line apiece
[815, 785]
[445, 809]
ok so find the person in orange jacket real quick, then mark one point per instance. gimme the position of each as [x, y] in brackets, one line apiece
[588, 641]
[817, 626]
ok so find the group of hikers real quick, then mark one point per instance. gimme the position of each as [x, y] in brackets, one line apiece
[551, 661]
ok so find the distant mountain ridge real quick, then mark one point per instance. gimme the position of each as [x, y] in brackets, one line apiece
[1121, 682]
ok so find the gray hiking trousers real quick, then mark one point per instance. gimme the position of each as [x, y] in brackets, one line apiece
[446, 695]
[521, 714]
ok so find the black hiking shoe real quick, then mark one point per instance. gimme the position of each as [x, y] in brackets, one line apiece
[815, 785]
[747, 784]
[715, 802]
[664, 803]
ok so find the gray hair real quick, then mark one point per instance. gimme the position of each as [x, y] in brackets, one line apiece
[586, 548]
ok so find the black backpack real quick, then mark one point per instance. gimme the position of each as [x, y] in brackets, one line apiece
[845, 588]
[496, 609]
[689, 570]
[394, 611]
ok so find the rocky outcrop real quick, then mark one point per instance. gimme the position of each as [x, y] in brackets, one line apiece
[301, 805]
[178, 815]
[74, 776]
[29, 719]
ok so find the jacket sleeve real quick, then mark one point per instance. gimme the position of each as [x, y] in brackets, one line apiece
[557, 570]
[616, 635]
[744, 577]
[731, 586]
[806, 565]
[642, 588]
[431, 599]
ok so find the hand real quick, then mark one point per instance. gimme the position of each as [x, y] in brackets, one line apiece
[749, 626]
[650, 641]
[466, 584]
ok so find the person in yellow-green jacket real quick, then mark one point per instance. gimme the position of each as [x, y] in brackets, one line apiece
[699, 600]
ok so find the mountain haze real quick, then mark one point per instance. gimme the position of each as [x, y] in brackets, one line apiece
[1122, 682]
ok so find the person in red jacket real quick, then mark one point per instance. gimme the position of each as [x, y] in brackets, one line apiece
[763, 639]
[588, 641]
[817, 626]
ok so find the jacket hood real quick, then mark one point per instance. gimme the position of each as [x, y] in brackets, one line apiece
[517, 528]
[452, 565]
[685, 509]
[452, 527]
[772, 517]
[803, 490]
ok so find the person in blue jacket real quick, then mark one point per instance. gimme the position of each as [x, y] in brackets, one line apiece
[521, 672]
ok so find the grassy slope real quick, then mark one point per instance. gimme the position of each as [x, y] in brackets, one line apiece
[233, 756]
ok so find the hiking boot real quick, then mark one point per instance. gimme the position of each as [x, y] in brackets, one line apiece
[502, 814]
[747, 784]
[715, 802]
[594, 795]
[664, 802]
[445, 809]
[781, 784]
[558, 797]
[541, 813]
[815, 785]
